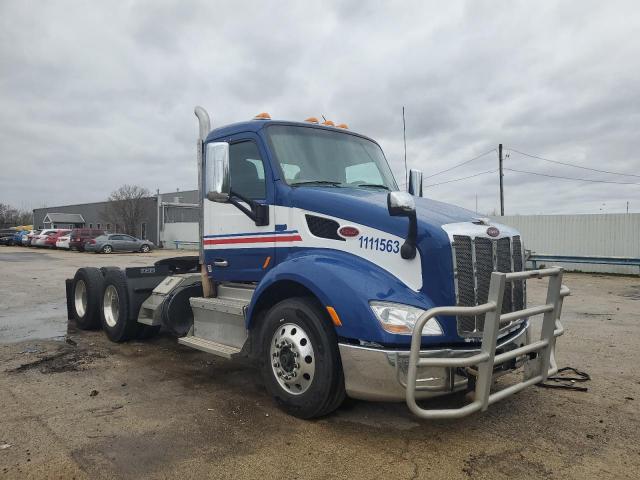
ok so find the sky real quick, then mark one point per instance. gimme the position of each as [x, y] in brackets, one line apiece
[94, 95]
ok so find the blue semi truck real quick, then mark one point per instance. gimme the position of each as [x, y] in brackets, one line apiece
[314, 265]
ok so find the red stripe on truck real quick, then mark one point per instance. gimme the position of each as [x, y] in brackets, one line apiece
[275, 238]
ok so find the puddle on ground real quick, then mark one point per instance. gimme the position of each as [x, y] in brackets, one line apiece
[632, 292]
[68, 358]
[47, 321]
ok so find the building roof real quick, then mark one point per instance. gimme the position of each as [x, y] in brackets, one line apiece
[63, 218]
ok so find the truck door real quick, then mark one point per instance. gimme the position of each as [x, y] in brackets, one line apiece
[235, 248]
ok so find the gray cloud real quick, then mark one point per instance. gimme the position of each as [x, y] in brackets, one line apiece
[98, 94]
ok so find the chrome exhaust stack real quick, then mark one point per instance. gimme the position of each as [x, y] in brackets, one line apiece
[204, 122]
[204, 127]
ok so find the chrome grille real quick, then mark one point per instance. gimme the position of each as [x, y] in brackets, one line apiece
[518, 285]
[475, 259]
[466, 282]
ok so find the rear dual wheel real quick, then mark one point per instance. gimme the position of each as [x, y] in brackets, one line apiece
[87, 289]
[115, 310]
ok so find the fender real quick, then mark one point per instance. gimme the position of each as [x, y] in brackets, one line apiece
[347, 283]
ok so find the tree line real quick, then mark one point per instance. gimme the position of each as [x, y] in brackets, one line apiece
[12, 217]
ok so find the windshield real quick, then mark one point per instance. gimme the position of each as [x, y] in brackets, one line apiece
[309, 156]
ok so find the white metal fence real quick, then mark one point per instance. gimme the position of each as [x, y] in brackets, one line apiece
[606, 235]
[178, 225]
[181, 235]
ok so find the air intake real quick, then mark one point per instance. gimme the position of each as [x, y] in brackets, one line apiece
[323, 227]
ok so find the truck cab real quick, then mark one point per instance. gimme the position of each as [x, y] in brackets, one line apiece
[316, 266]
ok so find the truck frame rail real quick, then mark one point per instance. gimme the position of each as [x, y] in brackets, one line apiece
[537, 370]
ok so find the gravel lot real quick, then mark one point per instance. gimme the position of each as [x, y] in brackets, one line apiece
[75, 405]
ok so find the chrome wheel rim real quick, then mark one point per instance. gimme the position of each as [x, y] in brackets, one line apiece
[107, 249]
[111, 305]
[80, 298]
[292, 359]
[145, 248]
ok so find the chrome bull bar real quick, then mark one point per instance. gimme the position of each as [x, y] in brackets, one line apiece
[536, 371]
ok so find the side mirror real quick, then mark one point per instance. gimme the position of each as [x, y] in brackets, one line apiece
[402, 204]
[217, 178]
[415, 182]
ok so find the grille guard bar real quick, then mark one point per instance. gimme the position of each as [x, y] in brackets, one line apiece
[537, 371]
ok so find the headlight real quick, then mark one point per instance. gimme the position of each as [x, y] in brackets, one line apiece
[400, 319]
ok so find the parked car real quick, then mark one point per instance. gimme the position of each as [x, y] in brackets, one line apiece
[118, 242]
[50, 241]
[40, 239]
[80, 236]
[63, 241]
[28, 238]
[18, 236]
[6, 236]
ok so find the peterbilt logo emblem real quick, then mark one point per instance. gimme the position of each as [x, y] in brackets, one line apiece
[493, 232]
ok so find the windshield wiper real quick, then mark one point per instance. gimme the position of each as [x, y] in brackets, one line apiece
[316, 182]
[372, 185]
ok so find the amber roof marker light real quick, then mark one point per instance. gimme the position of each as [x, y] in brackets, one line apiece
[328, 123]
[312, 120]
[343, 125]
[262, 116]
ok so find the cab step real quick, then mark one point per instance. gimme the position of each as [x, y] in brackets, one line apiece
[220, 320]
[218, 304]
[210, 346]
[236, 291]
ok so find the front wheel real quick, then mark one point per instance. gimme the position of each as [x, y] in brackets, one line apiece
[107, 249]
[145, 248]
[300, 361]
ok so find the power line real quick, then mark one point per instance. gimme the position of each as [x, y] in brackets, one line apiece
[463, 178]
[461, 164]
[571, 178]
[572, 164]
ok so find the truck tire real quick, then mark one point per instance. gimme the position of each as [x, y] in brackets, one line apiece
[299, 360]
[85, 302]
[104, 270]
[114, 308]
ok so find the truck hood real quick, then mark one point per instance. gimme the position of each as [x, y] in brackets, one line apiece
[369, 207]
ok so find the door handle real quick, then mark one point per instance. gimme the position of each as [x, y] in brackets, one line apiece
[220, 263]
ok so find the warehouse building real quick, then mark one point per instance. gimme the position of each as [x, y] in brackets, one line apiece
[168, 219]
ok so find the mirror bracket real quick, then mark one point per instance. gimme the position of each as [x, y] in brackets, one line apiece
[258, 212]
[408, 249]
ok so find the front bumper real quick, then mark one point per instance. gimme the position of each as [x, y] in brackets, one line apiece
[369, 373]
[381, 375]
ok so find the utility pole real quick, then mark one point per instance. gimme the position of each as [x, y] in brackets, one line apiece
[404, 136]
[501, 185]
[627, 206]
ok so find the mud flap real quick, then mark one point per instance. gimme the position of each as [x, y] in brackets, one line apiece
[68, 285]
